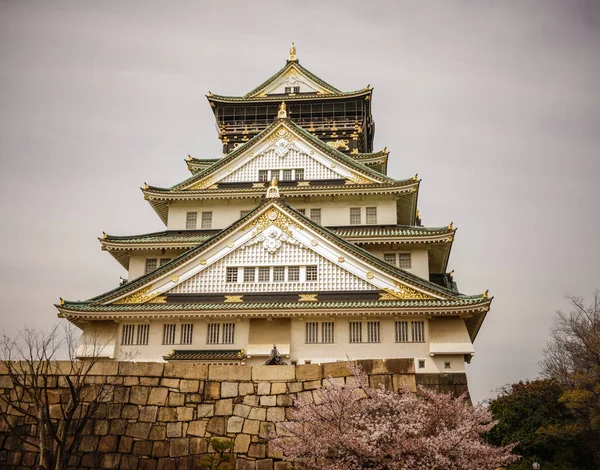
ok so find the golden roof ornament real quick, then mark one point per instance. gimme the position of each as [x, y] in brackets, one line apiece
[486, 294]
[292, 57]
[146, 185]
[451, 274]
[451, 226]
[416, 177]
[104, 235]
[273, 190]
[62, 301]
[190, 158]
[282, 113]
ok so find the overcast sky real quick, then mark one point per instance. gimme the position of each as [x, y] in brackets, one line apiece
[495, 104]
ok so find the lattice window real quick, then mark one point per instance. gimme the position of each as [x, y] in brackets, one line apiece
[213, 333]
[263, 175]
[164, 261]
[206, 221]
[405, 260]
[371, 215]
[151, 265]
[264, 274]
[296, 89]
[299, 174]
[312, 273]
[232, 274]
[401, 332]
[191, 220]
[279, 274]
[355, 217]
[294, 273]
[228, 333]
[302, 211]
[187, 333]
[327, 332]
[315, 215]
[312, 332]
[128, 335]
[356, 332]
[244, 213]
[286, 175]
[373, 331]
[288, 90]
[169, 333]
[390, 258]
[418, 331]
[249, 274]
[143, 332]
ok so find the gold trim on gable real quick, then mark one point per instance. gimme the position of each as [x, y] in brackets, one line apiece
[139, 297]
[233, 299]
[405, 292]
[272, 217]
[307, 298]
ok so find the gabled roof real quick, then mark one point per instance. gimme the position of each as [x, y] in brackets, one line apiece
[212, 98]
[198, 164]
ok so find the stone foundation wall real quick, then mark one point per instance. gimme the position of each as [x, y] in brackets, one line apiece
[158, 416]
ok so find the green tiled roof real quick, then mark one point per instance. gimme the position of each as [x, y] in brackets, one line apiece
[206, 355]
[167, 236]
[290, 98]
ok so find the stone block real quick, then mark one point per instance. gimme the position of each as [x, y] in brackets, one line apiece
[131, 381]
[176, 399]
[266, 430]
[399, 366]
[278, 388]
[167, 414]
[216, 426]
[284, 400]
[158, 432]
[150, 381]
[264, 388]
[229, 373]
[235, 424]
[273, 451]
[110, 461]
[311, 385]
[148, 413]
[189, 386]
[241, 410]
[139, 395]
[378, 381]
[148, 464]
[245, 464]
[198, 446]
[251, 400]
[197, 428]
[88, 443]
[336, 369]
[257, 451]
[295, 387]
[179, 447]
[282, 466]
[259, 414]
[273, 373]
[332, 381]
[264, 464]
[117, 427]
[206, 410]
[229, 389]
[401, 381]
[193, 398]
[317, 396]
[185, 413]
[174, 430]
[268, 400]
[246, 388]
[114, 410]
[125, 444]
[104, 368]
[186, 370]
[309, 372]
[160, 449]
[170, 383]
[101, 427]
[129, 462]
[158, 396]
[305, 397]
[121, 394]
[275, 414]
[251, 426]
[224, 407]
[138, 430]
[212, 390]
[141, 369]
[142, 447]
[241, 443]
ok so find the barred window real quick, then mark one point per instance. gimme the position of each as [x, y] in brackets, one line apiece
[355, 332]
[373, 331]
[327, 332]
[143, 332]
[244, 213]
[232, 274]
[401, 332]
[371, 213]
[263, 175]
[299, 174]
[312, 332]
[279, 274]
[294, 273]
[405, 260]
[249, 274]
[355, 218]
[311, 273]
[128, 334]
[191, 219]
[302, 211]
[315, 215]
[286, 175]
[418, 331]
[264, 274]
[169, 333]
[151, 265]
[228, 333]
[213, 333]
[187, 332]
[296, 89]
[164, 261]
[390, 258]
[288, 90]
[206, 220]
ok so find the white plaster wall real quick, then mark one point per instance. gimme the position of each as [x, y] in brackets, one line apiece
[224, 212]
[419, 259]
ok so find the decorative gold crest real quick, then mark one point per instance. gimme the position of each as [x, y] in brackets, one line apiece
[233, 299]
[139, 297]
[337, 144]
[202, 184]
[307, 298]
[273, 217]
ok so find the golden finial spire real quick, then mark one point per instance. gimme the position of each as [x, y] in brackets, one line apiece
[416, 177]
[292, 57]
[146, 185]
[451, 226]
[282, 111]
[104, 235]
[451, 274]
[273, 190]
[62, 301]
[486, 294]
[190, 158]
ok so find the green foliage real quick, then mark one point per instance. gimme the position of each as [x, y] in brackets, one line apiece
[221, 458]
[531, 413]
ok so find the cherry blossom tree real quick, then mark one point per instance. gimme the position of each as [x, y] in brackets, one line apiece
[354, 427]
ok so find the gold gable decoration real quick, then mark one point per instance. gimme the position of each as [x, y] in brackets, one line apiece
[202, 184]
[405, 292]
[272, 217]
[140, 297]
